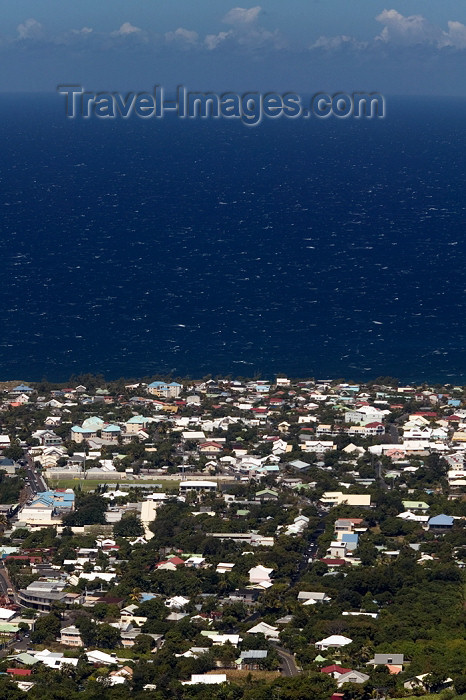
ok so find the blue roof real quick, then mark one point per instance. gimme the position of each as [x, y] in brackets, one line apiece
[23, 387]
[137, 419]
[350, 537]
[441, 520]
[55, 499]
[254, 654]
[111, 429]
[93, 422]
[174, 384]
[157, 384]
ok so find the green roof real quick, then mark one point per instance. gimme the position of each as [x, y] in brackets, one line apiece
[415, 504]
[8, 627]
[25, 659]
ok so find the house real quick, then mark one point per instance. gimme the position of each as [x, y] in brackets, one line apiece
[266, 495]
[111, 433]
[352, 677]
[387, 660]
[350, 540]
[440, 523]
[99, 658]
[177, 602]
[311, 598]
[71, 636]
[163, 389]
[224, 568]
[4, 441]
[422, 683]
[416, 506]
[246, 595]
[336, 498]
[22, 389]
[346, 526]
[364, 415]
[219, 639]
[197, 486]
[268, 631]
[210, 448]
[206, 678]
[47, 438]
[334, 670]
[136, 424]
[259, 574]
[320, 447]
[170, 564]
[335, 640]
[55, 660]
[251, 660]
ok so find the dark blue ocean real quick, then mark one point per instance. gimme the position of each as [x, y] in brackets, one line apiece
[316, 248]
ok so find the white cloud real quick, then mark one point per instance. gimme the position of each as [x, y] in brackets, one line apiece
[331, 43]
[211, 41]
[30, 29]
[245, 30]
[126, 29]
[407, 30]
[240, 16]
[401, 30]
[455, 37]
[183, 36]
[83, 31]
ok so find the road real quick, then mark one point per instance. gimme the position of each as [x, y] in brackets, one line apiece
[36, 482]
[393, 432]
[288, 663]
[379, 474]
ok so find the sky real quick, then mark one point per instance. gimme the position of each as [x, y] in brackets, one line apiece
[409, 47]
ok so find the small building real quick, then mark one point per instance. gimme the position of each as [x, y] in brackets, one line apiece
[71, 636]
[199, 486]
[334, 641]
[440, 523]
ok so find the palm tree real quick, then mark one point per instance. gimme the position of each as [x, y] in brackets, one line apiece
[135, 595]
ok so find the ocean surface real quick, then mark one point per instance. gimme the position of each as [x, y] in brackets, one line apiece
[315, 248]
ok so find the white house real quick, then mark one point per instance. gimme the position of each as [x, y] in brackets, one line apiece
[335, 640]
[259, 574]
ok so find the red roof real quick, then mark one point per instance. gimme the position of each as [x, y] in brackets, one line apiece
[335, 669]
[19, 671]
[427, 414]
[20, 557]
[373, 425]
[176, 560]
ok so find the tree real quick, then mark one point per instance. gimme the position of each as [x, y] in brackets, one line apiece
[90, 510]
[47, 629]
[108, 637]
[143, 644]
[129, 526]
[13, 452]
[87, 629]
[460, 684]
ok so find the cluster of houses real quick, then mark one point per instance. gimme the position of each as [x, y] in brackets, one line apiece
[224, 433]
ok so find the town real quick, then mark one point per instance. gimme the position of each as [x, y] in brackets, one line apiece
[232, 538]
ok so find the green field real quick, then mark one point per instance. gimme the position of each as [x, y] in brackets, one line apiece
[91, 484]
